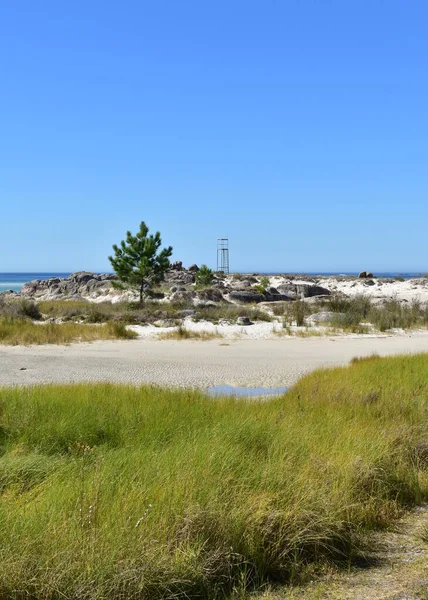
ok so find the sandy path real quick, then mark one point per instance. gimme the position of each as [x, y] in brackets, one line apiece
[268, 363]
[399, 571]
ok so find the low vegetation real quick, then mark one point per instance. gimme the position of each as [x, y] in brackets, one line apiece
[182, 333]
[204, 276]
[14, 331]
[357, 314]
[230, 313]
[119, 492]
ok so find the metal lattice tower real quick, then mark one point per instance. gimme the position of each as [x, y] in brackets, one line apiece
[223, 255]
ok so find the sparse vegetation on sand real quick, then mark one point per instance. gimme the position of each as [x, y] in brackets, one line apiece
[124, 492]
[230, 312]
[182, 333]
[19, 331]
[358, 314]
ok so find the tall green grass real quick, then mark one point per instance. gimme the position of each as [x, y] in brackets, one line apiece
[122, 492]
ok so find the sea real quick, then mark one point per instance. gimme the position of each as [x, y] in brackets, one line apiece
[15, 281]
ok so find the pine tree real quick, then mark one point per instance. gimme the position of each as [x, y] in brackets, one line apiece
[137, 262]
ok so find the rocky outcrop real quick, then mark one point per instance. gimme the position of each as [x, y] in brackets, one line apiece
[365, 275]
[210, 295]
[177, 277]
[245, 296]
[77, 285]
[296, 291]
[180, 281]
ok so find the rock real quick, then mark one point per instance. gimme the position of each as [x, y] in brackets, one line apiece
[183, 297]
[218, 283]
[165, 323]
[277, 297]
[315, 299]
[179, 277]
[369, 282]
[193, 268]
[176, 265]
[211, 294]
[81, 276]
[244, 321]
[302, 290]
[82, 284]
[240, 284]
[187, 312]
[245, 296]
[365, 274]
[324, 317]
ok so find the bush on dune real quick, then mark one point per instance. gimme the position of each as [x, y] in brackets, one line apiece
[116, 491]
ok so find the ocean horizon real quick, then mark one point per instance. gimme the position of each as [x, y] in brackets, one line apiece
[15, 281]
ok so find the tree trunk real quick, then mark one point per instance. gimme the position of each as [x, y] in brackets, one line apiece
[141, 293]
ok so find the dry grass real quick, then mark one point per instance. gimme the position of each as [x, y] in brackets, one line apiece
[24, 332]
[182, 333]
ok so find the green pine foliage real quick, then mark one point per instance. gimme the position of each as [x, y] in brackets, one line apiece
[138, 263]
[204, 276]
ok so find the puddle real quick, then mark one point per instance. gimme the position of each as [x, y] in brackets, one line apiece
[230, 390]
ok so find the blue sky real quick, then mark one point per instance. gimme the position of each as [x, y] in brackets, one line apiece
[297, 128]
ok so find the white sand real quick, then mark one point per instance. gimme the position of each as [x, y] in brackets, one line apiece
[402, 290]
[262, 362]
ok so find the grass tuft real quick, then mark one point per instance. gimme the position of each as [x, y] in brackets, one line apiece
[18, 331]
[182, 333]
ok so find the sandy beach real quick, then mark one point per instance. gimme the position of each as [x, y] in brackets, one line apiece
[262, 362]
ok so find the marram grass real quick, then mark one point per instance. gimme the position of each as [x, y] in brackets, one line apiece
[15, 331]
[123, 492]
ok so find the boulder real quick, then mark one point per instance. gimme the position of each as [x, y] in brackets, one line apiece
[245, 296]
[179, 277]
[277, 297]
[302, 290]
[365, 275]
[187, 312]
[240, 284]
[244, 321]
[324, 317]
[193, 268]
[183, 297]
[176, 265]
[81, 277]
[165, 323]
[211, 294]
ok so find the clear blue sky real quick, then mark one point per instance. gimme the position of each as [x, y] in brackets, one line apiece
[298, 128]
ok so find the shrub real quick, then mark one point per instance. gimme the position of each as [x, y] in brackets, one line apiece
[204, 276]
[263, 285]
[19, 307]
[299, 311]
